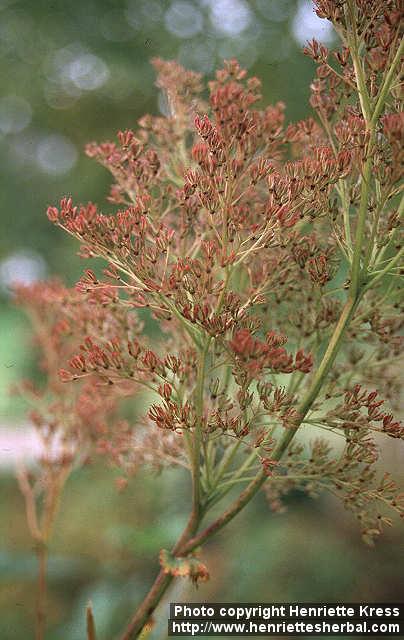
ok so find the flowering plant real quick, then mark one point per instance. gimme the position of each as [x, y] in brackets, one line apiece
[268, 256]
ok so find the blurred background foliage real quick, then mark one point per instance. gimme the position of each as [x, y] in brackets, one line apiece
[78, 71]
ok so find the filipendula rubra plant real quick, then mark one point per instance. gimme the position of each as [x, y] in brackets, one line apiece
[270, 257]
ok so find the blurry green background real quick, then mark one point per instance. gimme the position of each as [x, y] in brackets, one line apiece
[77, 71]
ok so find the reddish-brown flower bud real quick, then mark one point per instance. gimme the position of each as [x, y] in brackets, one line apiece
[53, 214]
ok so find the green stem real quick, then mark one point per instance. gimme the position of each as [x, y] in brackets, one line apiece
[387, 83]
[371, 122]
[197, 440]
[243, 499]
[226, 461]
[386, 269]
[345, 212]
[357, 63]
[321, 374]
[373, 234]
[382, 251]
[356, 275]
[193, 333]
[216, 497]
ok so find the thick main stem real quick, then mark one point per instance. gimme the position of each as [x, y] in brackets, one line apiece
[146, 609]
[160, 585]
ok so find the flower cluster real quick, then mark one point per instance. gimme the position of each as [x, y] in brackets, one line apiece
[350, 477]
[223, 239]
[363, 410]
[257, 355]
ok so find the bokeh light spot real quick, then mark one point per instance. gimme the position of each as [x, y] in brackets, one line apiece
[307, 25]
[88, 72]
[24, 267]
[231, 17]
[183, 19]
[15, 114]
[55, 154]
